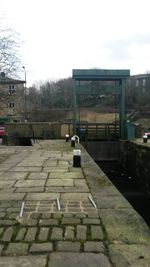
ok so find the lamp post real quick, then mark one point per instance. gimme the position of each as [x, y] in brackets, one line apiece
[25, 94]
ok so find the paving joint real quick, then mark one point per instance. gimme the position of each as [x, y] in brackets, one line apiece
[77, 232]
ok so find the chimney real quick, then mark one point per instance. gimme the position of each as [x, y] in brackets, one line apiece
[2, 75]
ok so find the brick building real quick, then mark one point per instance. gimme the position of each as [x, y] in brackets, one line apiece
[138, 89]
[140, 82]
[12, 98]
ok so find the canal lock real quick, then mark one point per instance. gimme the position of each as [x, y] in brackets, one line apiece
[124, 164]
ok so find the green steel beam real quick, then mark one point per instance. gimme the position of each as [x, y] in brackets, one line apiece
[74, 107]
[100, 74]
[88, 90]
[122, 111]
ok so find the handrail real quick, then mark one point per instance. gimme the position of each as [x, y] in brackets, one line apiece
[76, 136]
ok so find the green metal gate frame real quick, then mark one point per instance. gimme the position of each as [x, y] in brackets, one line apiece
[120, 76]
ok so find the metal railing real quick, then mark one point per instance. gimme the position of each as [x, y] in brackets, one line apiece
[98, 131]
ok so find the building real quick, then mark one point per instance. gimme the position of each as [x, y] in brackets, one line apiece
[138, 90]
[140, 82]
[12, 98]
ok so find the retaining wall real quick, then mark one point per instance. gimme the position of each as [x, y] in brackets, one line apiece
[135, 159]
[103, 150]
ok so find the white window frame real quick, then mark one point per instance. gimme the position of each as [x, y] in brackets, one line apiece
[11, 104]
[144, 82]
[11, 89]
[137, 83]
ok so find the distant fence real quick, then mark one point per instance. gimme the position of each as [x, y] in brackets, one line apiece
[98, 131]
[94, 131]
[40, 130]
[57, 130]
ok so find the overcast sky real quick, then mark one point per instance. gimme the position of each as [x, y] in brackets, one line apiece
[59, 35]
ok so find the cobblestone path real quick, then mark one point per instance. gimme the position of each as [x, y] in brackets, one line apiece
[47, 218]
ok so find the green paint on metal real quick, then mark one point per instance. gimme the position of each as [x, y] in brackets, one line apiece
[88, 90]
[4, 120]
[74, 106]
[122, 111]
[130, 130]
[101, 75]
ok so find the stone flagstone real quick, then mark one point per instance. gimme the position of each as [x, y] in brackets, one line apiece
[23, 261]
[43, 176]
[30, 183]
[59, 182]
[42, 196]
[78, 259]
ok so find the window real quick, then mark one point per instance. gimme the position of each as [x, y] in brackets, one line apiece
[137, 83]
[11, 104]
[11, 89]
[10, 112]
[144, 82]
[16, 121]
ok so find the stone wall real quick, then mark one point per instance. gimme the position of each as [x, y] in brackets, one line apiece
[34, 130]
[103, 150]
[15, 112]
[135, 159]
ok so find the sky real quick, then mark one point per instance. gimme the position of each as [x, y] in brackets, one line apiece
[61, 35]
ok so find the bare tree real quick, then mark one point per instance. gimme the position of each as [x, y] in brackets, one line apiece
[9, 45]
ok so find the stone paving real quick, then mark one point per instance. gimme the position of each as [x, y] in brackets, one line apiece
[77, 232]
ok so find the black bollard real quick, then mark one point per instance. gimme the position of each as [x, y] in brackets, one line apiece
[77, 158]
[73, 141]
[145, 137]
[67, 137]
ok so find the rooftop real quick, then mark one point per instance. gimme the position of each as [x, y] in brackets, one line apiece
[5, 79]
